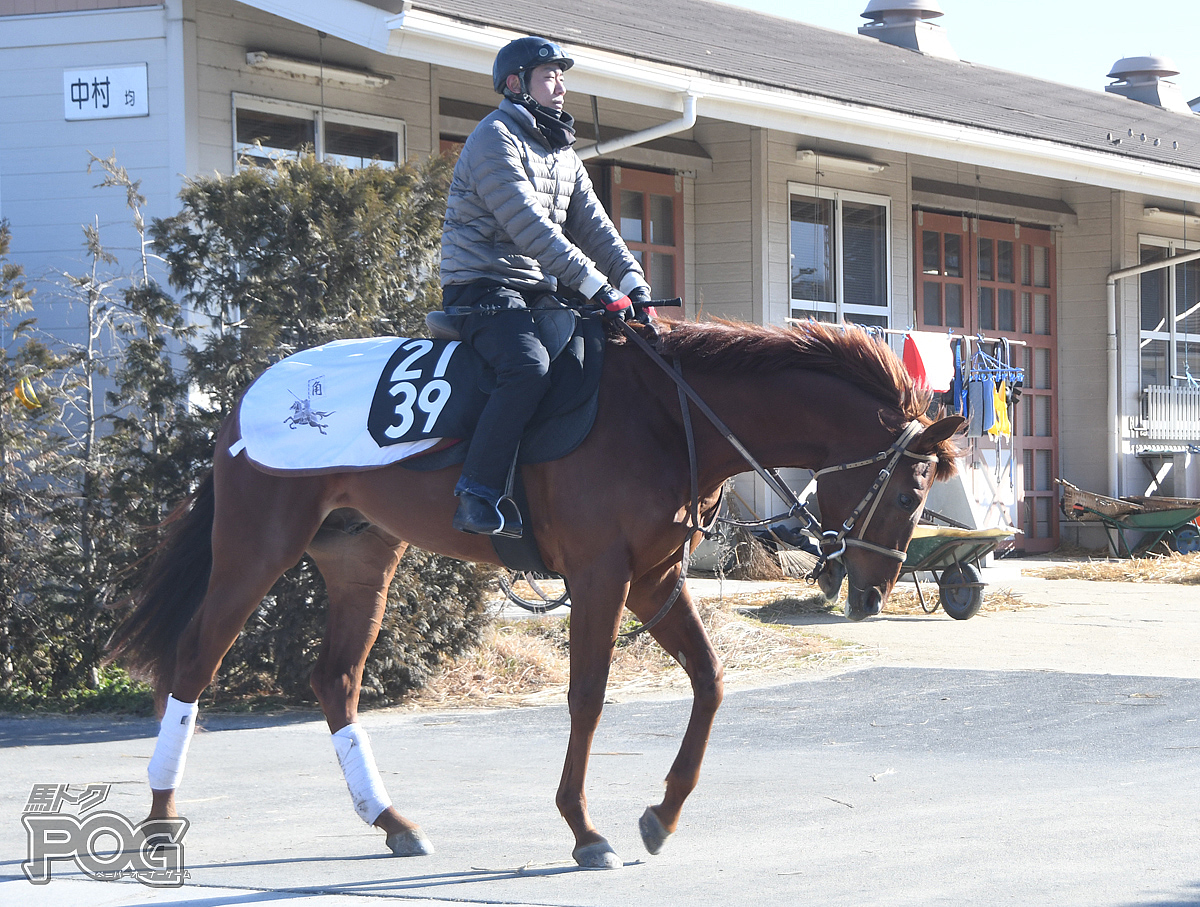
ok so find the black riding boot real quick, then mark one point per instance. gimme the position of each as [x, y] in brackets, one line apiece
[479, 516]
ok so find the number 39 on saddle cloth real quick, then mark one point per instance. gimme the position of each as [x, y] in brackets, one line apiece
[366, 403]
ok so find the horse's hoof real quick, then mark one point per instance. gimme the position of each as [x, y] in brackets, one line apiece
[597, 856]
[654, 836]
[409, 844]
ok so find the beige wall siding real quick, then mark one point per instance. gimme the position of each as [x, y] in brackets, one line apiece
[48, 194]
[985, 177]
[1085, 256]
[722, 230]
[476, 88]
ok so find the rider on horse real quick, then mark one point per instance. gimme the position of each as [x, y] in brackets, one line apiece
[522, 221]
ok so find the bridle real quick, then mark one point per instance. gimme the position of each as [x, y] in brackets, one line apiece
[833, 542]
[840, 539]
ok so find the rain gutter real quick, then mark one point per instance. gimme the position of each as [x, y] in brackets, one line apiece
[685, 122]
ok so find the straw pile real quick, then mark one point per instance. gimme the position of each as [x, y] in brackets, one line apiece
[759, 636]
[1183, 569]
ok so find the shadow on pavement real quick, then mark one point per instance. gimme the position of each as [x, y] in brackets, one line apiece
[69, 730]
[405, 883]
[1183, 900]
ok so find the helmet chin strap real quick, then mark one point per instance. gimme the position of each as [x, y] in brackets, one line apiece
[523, 95]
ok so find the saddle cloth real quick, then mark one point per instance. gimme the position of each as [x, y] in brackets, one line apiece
[371, 402]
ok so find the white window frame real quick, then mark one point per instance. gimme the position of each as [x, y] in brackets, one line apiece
[839, 308]
[319, 116]
[1174, 247]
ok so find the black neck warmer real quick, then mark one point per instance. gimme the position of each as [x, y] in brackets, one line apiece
[558, 128]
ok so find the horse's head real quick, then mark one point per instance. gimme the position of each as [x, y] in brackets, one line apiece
[870, 507]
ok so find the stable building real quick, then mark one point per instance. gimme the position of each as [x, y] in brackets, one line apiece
[762, 168]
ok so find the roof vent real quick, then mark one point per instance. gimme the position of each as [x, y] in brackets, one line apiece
[903, 23]
[1145, 79]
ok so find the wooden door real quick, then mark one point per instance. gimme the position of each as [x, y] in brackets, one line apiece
[647, 207]
[998, 279]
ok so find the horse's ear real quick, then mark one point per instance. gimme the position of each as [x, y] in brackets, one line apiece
[933, 435]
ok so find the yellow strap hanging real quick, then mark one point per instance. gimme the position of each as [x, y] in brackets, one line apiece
[1001, 427]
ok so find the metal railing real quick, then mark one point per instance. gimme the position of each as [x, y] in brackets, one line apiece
[1171, 413]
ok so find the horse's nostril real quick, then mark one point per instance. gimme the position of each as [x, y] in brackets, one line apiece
[863, 603]
[829, 580]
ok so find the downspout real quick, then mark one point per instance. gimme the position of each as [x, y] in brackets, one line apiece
[687, 121]
[1114, 428]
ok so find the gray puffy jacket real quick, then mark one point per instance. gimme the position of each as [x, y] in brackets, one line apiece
[513, 204]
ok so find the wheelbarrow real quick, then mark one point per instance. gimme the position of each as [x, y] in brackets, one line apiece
[952, 555]
[1151, 521]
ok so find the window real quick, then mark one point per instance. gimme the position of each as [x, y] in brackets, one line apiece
[265, 128]
[648, 212]
[1169, 315]
[839, 252]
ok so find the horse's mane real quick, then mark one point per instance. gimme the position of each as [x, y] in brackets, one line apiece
[848, 352]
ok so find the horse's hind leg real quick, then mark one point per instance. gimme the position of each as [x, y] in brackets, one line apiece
[358, 565]
[261, 527]
[683, 636]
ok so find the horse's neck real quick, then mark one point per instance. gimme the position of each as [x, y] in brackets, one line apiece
[788, 418]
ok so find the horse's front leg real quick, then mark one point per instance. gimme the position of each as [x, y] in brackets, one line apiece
[596, 604]
[358, 569]
[682, 635]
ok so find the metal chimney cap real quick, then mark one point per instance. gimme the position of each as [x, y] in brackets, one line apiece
[919, 9]
[1144, 66]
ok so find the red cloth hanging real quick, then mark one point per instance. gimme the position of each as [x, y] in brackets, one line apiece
[928, 359]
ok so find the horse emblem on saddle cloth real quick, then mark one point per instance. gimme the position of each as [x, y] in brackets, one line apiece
[371, 402]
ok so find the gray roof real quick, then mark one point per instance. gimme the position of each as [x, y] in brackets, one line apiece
[759, 49]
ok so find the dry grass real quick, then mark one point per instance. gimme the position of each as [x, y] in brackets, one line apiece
[1176, 568]
[759, 636]
[776, 607]
[903, 600]
[526, 661]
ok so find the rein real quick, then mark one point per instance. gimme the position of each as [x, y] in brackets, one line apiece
[837, 540]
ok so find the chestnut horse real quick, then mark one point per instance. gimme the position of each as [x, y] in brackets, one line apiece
[612, 517]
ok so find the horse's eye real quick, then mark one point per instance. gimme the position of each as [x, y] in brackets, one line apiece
[907, 501]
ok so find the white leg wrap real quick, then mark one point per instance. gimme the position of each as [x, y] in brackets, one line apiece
[170, 751]
[362, 777]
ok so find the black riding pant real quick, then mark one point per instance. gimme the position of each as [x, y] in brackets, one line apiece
[500, 328]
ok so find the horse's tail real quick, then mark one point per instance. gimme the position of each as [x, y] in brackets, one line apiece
[168, 597]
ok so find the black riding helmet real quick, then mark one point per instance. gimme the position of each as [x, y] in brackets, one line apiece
[520, 56]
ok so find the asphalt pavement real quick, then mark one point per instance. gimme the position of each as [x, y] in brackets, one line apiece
[1046, 756]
